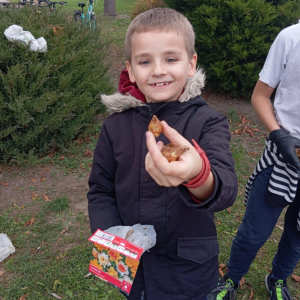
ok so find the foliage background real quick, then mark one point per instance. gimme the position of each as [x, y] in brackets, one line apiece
[47, 99]
[233, 38]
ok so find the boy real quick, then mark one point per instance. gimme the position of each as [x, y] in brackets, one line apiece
[131, 182]
[275, 181]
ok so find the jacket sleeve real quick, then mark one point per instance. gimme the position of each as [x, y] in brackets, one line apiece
[214, 140]
[102, 202]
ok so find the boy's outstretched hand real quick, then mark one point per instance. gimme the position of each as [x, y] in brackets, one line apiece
[175, 173]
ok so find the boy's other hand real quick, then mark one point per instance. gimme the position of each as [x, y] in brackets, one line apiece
[286, 145]
[174, 173]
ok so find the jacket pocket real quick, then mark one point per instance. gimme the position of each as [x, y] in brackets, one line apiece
[198, 249]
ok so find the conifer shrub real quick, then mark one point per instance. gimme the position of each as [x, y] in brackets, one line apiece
[233, 38]
[142, 5]
[47, 99]
[184, 5]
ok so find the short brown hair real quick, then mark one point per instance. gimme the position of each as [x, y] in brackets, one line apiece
[162, 19]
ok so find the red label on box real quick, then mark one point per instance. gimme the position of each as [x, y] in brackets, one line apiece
[115, 260]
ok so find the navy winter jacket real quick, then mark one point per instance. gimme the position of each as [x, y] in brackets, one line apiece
[183, 265]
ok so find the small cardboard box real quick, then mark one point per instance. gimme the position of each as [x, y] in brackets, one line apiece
[115, 260]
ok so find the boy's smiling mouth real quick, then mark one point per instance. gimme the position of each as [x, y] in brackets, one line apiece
[160, 84]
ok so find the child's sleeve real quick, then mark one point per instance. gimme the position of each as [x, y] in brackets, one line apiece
[277, 58]
[214, 140]
[102, 203]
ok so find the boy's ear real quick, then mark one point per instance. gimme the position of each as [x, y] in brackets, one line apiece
[193, 65]
[130, 72]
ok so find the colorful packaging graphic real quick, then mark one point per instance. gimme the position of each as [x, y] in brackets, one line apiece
[115, 260]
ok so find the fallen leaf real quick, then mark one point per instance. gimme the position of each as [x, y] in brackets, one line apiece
[37, 250]
[62, 157]
[251, 295]
[47, 199]
[237, 131]
[242, 282]
[88, 275]
[33, 180]
[279, 227]
[64, 231]
[54, 295]
[253, 153]
[1, 272]
[30, 222]
[23, 297]
[255, 129]
[57, 30]
[55, 283]
[228, 209]
[295, 277]
[249, 131]
[218, 223]
[51, 155]
[221, 272]
[34, 195]
[222, 266]
[274, 240]
[87, 153]
[27, 232]
[4, 183]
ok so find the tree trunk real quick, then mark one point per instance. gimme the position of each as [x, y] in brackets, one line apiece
[110, 8]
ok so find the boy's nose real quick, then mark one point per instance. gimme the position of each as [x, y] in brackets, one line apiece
[158, 69]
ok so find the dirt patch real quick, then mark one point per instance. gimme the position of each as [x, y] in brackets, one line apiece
[25, 188]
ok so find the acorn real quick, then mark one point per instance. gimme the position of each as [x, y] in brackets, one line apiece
[155, 126]
[172, 153]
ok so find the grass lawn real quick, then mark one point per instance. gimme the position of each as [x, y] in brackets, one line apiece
[44, 208]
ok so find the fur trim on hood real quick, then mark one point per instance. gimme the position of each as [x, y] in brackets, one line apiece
[118, 102]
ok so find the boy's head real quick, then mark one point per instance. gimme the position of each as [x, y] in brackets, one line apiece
[161, 19]
[160, 53]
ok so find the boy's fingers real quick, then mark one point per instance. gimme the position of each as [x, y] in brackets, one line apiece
[175, 138]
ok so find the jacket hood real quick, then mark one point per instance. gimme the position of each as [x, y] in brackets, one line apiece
[119, 102]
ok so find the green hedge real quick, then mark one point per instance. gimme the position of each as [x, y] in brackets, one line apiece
[233, 37]
[47, 99]
[184, 5]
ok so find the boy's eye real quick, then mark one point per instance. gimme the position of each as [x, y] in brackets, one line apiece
[171, 60]
[145, 62]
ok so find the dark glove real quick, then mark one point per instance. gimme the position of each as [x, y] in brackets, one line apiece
[286, 146]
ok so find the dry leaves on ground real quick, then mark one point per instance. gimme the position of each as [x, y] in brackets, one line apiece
[1, 272]
[296, 278]
[242, 283]
[88, 153]
[47, 199]
[30, 222]
[221, 267]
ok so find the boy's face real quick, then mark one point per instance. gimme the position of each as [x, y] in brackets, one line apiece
[160, 65]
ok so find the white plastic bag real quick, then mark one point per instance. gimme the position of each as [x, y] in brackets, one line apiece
[6, 246]
[16, 33]
[143, 236]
